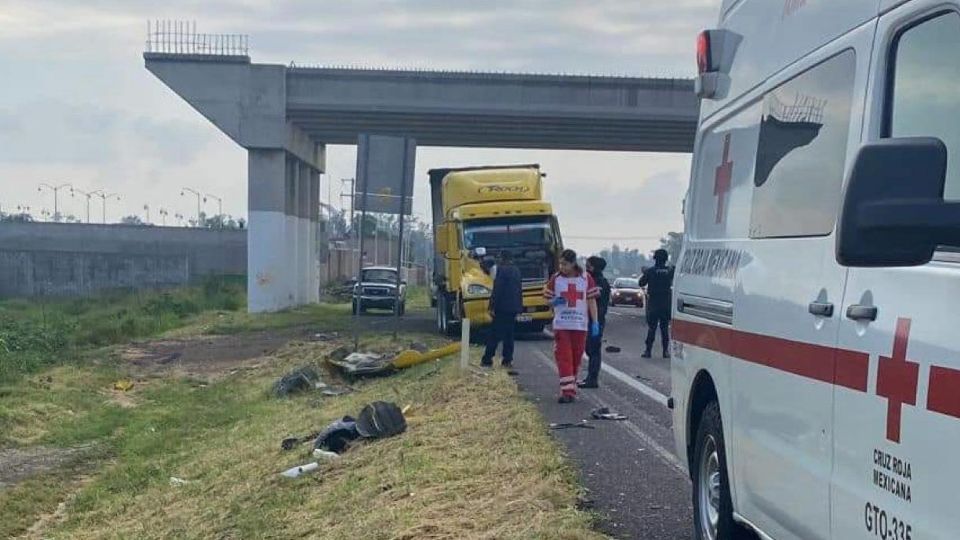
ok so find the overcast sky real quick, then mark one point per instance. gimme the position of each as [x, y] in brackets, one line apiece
[77, 105]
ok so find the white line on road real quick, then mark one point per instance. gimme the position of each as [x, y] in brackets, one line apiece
[666, 455]
[635, 384]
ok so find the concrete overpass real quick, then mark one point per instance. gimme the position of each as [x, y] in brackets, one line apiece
[284, 116]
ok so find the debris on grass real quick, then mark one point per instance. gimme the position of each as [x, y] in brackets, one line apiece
[299, 380]
[123, 385]
[300, 470]
[337, 436]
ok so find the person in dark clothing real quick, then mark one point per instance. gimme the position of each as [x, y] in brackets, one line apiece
[595, 267]
[506, 302]
[658, 279]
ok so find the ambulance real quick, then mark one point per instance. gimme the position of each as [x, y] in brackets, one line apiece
[816, 370]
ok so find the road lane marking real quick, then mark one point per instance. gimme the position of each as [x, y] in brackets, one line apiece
[635, 384]
[630, 381]
[664, 454]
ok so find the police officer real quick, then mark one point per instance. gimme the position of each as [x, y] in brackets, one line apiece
[595, 267]
[658, 279]
[506, 302]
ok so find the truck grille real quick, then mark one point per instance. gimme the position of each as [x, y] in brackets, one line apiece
[376, 291]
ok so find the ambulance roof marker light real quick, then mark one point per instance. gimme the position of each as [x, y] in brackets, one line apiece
[715, 54]
[703, 52]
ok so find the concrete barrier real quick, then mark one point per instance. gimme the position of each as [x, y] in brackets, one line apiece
[59, 259]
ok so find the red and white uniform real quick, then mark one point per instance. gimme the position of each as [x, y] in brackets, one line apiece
[570, 323]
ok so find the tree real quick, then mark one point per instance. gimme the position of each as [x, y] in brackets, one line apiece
[673, 243]
[132, 220]
[22, 217]
[223, 221]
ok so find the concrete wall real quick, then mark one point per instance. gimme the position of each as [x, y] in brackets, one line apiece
[67, 260]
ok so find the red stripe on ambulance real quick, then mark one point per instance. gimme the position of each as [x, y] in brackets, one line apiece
[841, 367]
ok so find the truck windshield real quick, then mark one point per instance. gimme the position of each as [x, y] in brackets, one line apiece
[498, 233]
[379, 275]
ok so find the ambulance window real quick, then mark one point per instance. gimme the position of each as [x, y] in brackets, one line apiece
[802, 151]
[926, 89]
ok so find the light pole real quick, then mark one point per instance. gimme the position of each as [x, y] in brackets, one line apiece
[45, 213]
[163, 216]
[179, 219]
[146, 208]
[104, 197]
[85, 194]
[56, 196]
[183, 192]
[219, 207]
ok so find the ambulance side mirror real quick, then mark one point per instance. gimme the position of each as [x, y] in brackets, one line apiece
[893, 211]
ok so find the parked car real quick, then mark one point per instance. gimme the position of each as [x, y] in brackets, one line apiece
[626, 291]
[377, 288]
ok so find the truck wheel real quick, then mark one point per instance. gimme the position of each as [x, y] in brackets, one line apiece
[712, 505]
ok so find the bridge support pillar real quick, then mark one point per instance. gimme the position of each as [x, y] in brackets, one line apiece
[282, 252]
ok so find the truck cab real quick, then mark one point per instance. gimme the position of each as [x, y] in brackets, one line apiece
[815, 372]
[479, 213]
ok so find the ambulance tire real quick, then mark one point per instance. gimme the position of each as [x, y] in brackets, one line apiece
[712, 504]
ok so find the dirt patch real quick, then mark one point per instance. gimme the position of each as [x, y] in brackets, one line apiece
[206, 357]
[18, 464]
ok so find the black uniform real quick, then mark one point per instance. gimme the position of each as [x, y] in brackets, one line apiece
[595, 343]
[659, 282]
[506, 302]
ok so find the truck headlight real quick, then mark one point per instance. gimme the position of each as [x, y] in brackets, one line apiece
[476, 289]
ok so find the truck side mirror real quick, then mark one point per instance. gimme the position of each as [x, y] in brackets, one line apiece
[893, 212]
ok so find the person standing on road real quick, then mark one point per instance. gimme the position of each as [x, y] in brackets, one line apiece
[595, 267]
[506, 302]
[658, 279]
[573, 295]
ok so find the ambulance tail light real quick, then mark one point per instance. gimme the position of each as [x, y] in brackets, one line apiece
[715, 52]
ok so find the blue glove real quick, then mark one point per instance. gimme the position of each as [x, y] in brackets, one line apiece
[558, 301]
[595, 329]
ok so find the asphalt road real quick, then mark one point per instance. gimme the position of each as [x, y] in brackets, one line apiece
[634, 480]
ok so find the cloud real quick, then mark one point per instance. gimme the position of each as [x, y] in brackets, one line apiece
[79, 104]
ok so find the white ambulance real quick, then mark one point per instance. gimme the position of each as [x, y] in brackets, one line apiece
[816, 375]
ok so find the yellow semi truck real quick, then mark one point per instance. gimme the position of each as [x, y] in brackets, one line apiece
[479, 212]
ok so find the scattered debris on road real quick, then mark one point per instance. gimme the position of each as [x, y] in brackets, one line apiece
[569, 425]
[604, 413]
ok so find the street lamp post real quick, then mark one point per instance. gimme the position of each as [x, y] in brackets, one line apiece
[219, 207]
[87, 195]
[56, 196]
[104, 197]
[183, 191]
[179, 217]
[146, 208]
[163, 216]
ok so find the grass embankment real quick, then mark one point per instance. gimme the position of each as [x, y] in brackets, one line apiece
[38, 333]
[476, 461]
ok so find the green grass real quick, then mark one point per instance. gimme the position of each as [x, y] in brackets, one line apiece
[38, 333]
[476, 461]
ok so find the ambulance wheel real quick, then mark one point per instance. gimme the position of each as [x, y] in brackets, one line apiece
[712, 505]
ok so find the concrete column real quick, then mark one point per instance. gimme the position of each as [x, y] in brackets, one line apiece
[292, 236]
[303, 231]
[268, 262]
[313, 294]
